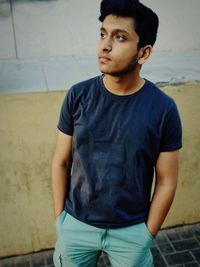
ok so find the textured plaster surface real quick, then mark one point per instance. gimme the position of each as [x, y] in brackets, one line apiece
[27, 130]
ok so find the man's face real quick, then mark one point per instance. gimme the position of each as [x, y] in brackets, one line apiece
[117, 50]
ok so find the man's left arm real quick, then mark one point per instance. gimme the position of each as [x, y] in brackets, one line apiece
[166, 182]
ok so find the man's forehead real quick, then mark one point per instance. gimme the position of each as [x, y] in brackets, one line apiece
[113, 22]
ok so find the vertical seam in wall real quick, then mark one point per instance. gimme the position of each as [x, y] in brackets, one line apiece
[13, 26]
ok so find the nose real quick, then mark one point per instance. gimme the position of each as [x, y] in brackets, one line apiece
[106, 45]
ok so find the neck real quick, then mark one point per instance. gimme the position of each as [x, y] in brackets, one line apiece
[123, 84]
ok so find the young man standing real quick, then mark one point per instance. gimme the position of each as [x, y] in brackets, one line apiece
[114, 131]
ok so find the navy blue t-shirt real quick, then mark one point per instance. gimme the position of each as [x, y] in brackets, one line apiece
[116, 143]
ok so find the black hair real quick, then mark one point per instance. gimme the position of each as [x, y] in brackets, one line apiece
[145, 20]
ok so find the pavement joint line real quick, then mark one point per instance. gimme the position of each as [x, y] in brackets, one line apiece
[13, 27]
[45, 78]
[193, 256]
[198, 240]
[163, 258]
[76, 60]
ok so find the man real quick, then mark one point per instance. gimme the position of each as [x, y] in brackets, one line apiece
[114, 131]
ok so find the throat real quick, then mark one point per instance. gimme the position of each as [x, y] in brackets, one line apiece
[122, 87]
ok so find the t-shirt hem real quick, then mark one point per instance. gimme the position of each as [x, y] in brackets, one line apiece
[104, 225]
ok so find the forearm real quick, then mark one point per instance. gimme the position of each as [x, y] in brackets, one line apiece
[161, 202]
[60, 179]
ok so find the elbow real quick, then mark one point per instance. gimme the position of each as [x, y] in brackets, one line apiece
[167, 182]
[61, 162]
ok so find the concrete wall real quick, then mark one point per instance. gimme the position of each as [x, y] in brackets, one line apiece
[179, 24]
[32, 29]
[27, 130]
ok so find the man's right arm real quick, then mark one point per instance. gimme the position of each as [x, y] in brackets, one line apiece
[61, 168]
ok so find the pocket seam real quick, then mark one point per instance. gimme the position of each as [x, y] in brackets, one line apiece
[148, 232]
[57, 218]
[60, 259]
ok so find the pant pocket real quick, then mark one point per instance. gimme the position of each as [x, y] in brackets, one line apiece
[60, 219]
[148, 232]
[57, 259]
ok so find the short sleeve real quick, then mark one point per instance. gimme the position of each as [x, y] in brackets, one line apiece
[172, 130]
[65, 123]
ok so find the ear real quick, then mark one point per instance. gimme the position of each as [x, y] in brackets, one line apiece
[144, 54]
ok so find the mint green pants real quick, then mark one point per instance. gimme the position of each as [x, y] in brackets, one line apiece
[79, 244]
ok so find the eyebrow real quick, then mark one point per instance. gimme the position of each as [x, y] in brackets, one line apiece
[115, 30]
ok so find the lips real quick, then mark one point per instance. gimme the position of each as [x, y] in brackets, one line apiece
[104, 59]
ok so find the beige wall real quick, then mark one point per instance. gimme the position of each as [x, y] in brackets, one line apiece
[27, 131]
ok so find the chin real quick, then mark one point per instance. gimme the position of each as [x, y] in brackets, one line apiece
[109, 71]
[112, 73]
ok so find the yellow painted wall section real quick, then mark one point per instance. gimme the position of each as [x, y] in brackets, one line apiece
[186, 208]
[27, 130]
[27, 141]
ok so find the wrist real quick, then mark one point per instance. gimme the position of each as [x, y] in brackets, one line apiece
[153, 230]
[57, 212]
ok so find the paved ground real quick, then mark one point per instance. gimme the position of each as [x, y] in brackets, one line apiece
[33, 75]
[177, 247]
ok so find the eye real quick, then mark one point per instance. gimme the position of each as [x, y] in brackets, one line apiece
[120, 37]
[102, 35]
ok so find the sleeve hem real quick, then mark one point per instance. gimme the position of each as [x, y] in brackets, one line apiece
[171, 148]
[65, 131]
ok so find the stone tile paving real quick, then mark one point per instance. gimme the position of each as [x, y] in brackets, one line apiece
[177, 247]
